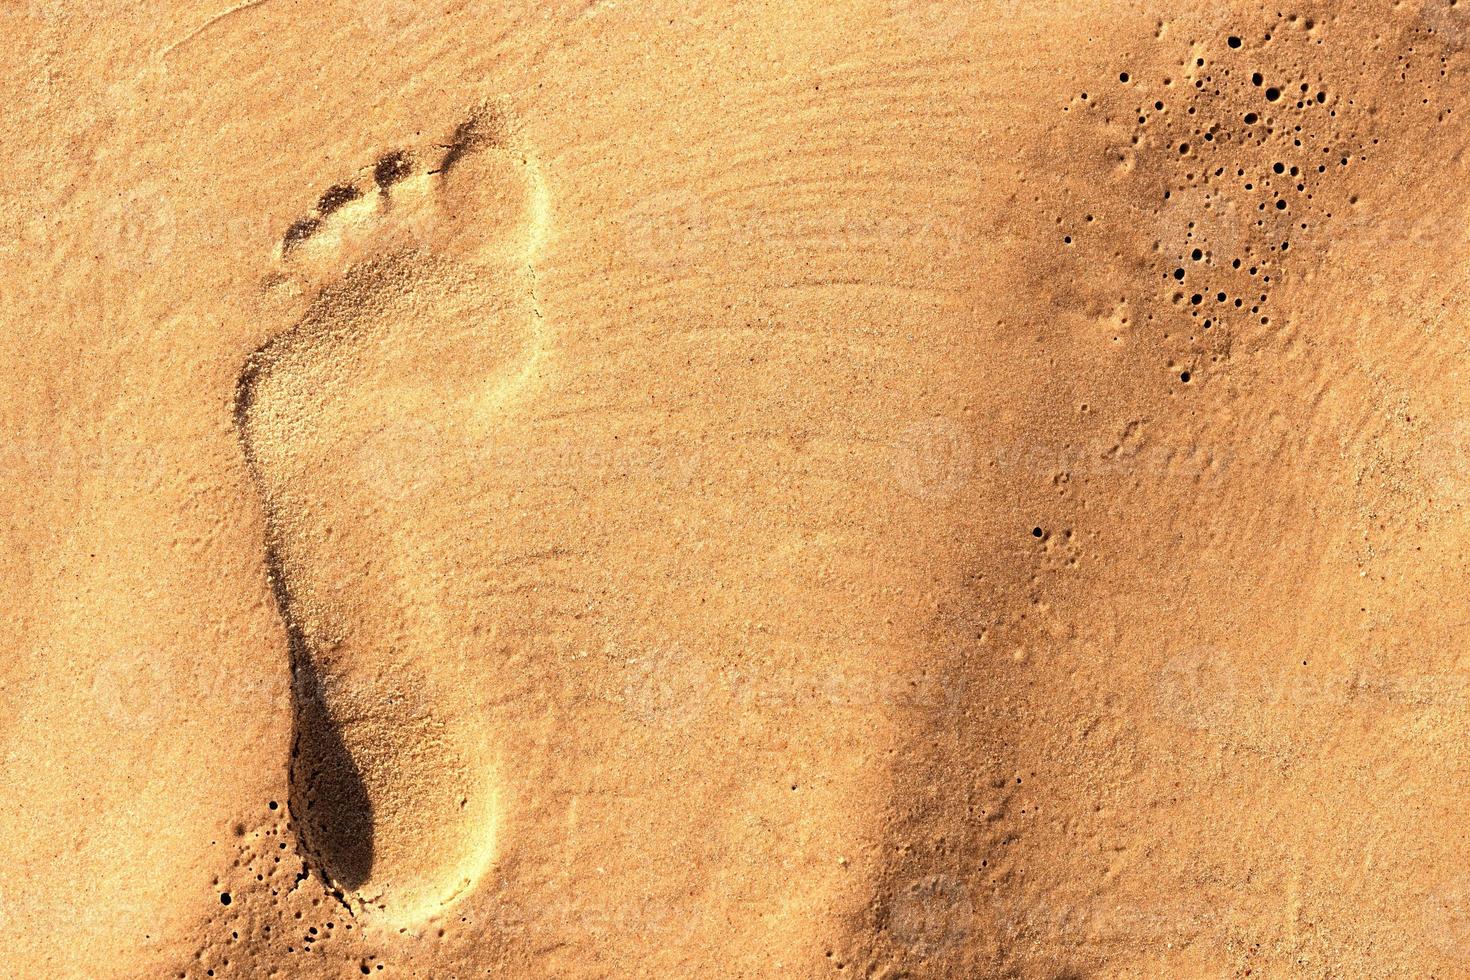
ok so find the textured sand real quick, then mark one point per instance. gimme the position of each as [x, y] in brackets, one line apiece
[634, 489]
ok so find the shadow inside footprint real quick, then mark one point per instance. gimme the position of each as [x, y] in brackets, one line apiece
[329, 800]
[329, 803]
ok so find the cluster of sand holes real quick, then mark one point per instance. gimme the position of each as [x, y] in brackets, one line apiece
[1249, 193]
[264, 917]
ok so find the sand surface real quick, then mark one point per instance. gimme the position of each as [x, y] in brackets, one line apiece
[881, 488]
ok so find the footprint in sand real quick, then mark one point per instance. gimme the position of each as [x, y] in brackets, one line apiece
[415, 303]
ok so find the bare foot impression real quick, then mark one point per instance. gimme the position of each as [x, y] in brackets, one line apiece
[419, 302]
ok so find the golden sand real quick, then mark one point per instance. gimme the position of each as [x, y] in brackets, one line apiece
[881, 488]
